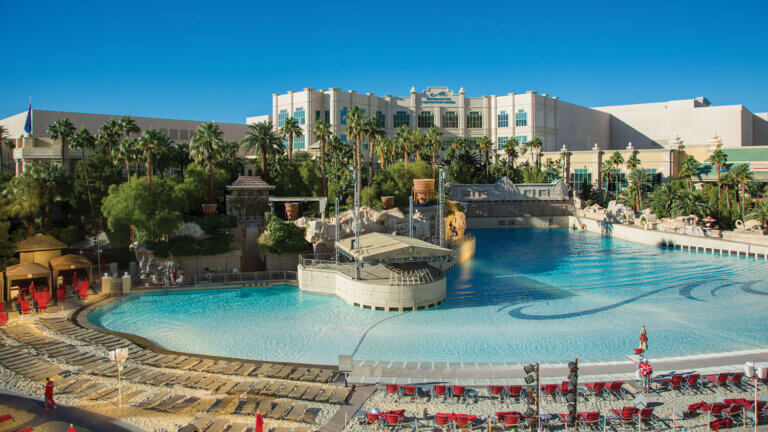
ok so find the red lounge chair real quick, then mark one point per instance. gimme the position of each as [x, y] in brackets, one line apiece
[24, 306]
[409, 390]
[735, 379]
[7, 417]
[392, 419]
[512, 421]
[372, 417]
[549, 390]
[695, 407]
[715, 425]
[440, 390]
[645, 414]
[589, 418]
[442, 419]
[721, 379]
[596, 388]
[715, 410]
[514, 391]
[564, 388]
[26, 429]
[459, 391]
[393, 389]
[496, 391]
[732, 412]
[61, 294]
[674, 383]
[615, 388]
[692, 381]
[3, 319]
[626, 414]
[42, 302]
[464, 420]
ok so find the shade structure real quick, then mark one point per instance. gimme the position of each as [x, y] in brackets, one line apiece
[25, 271]
[70, 262]
[391, 248]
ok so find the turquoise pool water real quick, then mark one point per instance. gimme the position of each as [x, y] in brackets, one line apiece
[529, 294]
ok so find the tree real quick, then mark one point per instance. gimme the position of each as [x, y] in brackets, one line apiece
[617, 160]
[126, 152]
[290, 130]
[321, 133]
[102, 173]
[662, 199]
[688, 170]
[510, 149]
[403, 139]
[608, 172]
[689, 204]
[150, 142]
[82, 140]
[109, 134]
[22, 198]
[728, 181]
[553, 168]
[432, 139]
[372, 129]
[62, 129]
[565, 157]
[339, 177]
[632, 162]
[128, 126]
[535, 145]
[718, 158]
[355, 130]
[639, 180]
[760, 212]
[417, 142]
[3, 136]
[51, 181]
[261, 136]
[742, 176]
[383, 148]
[484, 144]
[206, 146]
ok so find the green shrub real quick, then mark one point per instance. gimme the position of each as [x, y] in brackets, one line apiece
[282, 237]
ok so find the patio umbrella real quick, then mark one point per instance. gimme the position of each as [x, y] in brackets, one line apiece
[259, 423]
[643, 340]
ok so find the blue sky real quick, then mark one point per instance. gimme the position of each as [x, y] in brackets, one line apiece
[207, 61]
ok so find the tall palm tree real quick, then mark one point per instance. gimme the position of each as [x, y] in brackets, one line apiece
[21, 198]
[632, 162]
[510, 149]
[536, 145]
[461, 144]
[403, 140]
[417, 139]
[742, 176]
[128, 126]
[383, 149]
[617, 160]
[83, 140]
[291, 129]
[718, 158]
[50, 181]
[760, 212]
[355, 130]
[372, 129]
[261, 136]
[608, 172]
[565, 157]
[688, 169]
[484, 144]
[62, 129]
[206, 145]
[125, 152]
[689, 203]
[3, 136]
[151, 141]
[639, 180]
[109, 134]
[432, 138]
[728, 181]
[665, 196]
[321, 132]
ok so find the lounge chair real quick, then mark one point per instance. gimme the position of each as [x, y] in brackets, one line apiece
[615, 388]
[720, 379]
[393, 390]
[692, 382]
[440, 390]
[673, 383]
[513, 421]
[459, 392]
[7, 418]
[372, 418]
[3, 318]
[735, 379]
[596, 388]
[644, 415]
[550, 390]
[514, 391]
[442, 420]
[24, 305]
[464, 421]
[734, 412]
[61, 294]
[564, 388]
[715, 409]
[589, 419]
[715, 425]
[410, 391]
[496, 391]
[626, 415]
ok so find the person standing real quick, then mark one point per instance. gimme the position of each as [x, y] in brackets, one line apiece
[49, 403]
[71, 428]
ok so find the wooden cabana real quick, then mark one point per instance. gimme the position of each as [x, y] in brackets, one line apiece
[70, 264]
[39, 248]
[28, 271]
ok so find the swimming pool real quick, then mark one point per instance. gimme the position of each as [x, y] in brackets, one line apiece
[528, 294]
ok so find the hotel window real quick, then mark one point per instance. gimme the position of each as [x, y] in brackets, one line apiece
[344, 138]
[327, 116]
[298, 143]
[183, 134]
[174, 134]
[503, 119]
[317, 115]
[474, 120]
[521, 118]
[521, 139]
[281, 117]
[500, 141]
[344, 115]
[382, 118]
[299, 115]
[402, 118]
[654, 178]
[577, 178]
[364, 145]
[426, 119]
[450, 119]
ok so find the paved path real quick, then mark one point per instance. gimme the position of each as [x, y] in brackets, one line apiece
[347, 412]
[38, 418]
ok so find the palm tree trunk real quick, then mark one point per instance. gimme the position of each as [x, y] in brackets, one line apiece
[370, 165]
[87, 185]
[149, 173]
[434, 162]
[263, 162]
[322, 165]
[290, 147]
[743, 200]
[405, 154]
[127, 171]
[30, 225]
[728, 198]
[690, 183]
[210, 181]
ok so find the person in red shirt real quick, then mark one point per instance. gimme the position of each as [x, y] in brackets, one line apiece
[49, 395]
[71, 428]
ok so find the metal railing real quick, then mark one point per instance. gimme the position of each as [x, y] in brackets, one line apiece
[458, 241]
[415, 277]
[242, 277]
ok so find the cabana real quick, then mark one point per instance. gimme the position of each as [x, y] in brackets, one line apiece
[69, 266]
[39, 249]
[19, 277]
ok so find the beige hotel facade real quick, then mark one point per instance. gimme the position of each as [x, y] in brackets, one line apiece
[657, 132]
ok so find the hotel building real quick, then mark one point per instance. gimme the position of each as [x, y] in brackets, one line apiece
[657, 132]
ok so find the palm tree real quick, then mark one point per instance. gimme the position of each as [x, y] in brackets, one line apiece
[3, 136]
[484, 144]
[291, 129]
[372, 129]
[151, 141]
[128, 126]
[126, 151]
[261, 136]
[21, 198]
[432, 138]
[206, 145]
[62, 129]
[535, 145]
[50, 181]
[760, 212]
[608, 172]
[728, 181]
[565, 157]
[403, 139]
[510, 149]
[321, 133]
[82, 139]
[742, 176]
[383, 149]
[718, 158]
[109, 134]
[417, 140]
[355, 130]
[689, 203]
[461, 144]
[632, 162]
[639, 180]
[665, 196]
[688, 170]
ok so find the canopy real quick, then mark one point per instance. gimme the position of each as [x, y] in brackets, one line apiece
[390, 248]
[39, 242]
[24, 271]
[69, 262]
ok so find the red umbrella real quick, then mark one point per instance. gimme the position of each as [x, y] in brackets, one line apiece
[259, 423]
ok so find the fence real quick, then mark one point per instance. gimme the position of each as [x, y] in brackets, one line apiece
[243, 277]
[458, 241]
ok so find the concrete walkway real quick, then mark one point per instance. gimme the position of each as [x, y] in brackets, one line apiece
[347, 412]
[31, 412]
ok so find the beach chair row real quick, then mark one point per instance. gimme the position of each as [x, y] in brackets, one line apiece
[694, 381]
[220, 424]
[66, 327]
[29, 366]
[502, 392]
[725, 413]
[277, 409]
[54, 348]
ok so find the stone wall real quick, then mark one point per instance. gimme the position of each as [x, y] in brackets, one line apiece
[517, 222]
[196, 264]
[281, 262]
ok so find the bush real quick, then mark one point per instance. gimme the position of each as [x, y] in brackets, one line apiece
[282, 237]
[190, 246]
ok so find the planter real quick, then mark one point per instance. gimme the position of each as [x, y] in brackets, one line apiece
[209, 209]
[291, 211]
[387, 202]
[423, 190]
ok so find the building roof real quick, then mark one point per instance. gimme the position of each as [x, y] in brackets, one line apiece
[39, 242]
[69, 262]
[739, 156]
[250, 183]
[27, 270]
[375, 247]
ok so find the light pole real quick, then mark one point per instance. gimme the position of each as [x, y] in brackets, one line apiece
[119, 355]
[410, 215]
[441, 209]
[356, 177]
[336, 228]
